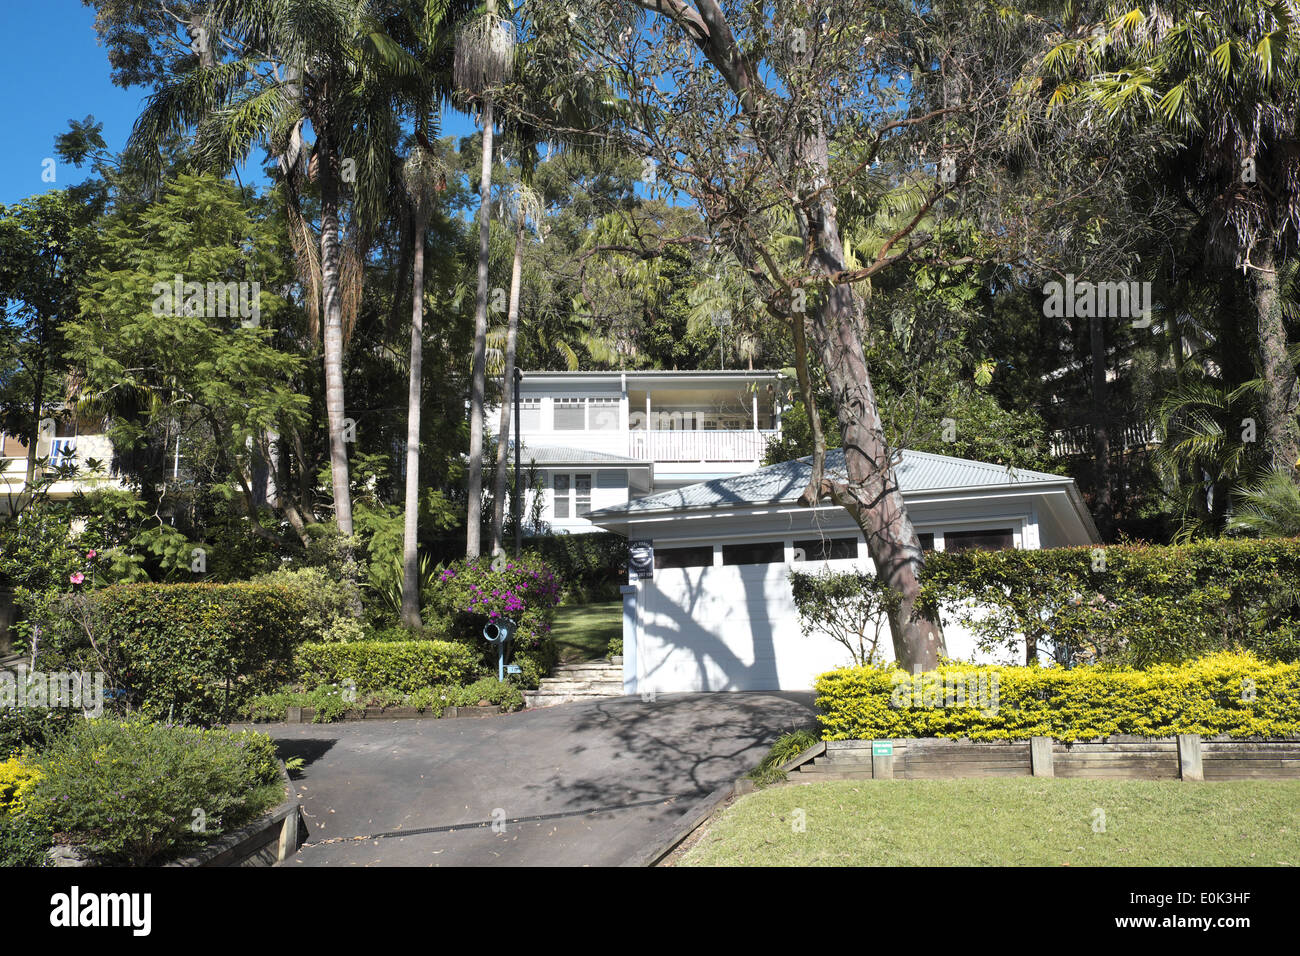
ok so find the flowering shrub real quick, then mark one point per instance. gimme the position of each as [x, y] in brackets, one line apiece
[17, 778]
[469, 594]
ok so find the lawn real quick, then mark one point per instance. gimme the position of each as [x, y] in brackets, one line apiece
[582, 632]
[1009, 822]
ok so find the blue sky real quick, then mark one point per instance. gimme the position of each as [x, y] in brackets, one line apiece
[54, 70]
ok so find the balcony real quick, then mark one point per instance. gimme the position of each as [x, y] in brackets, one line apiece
[699, 445]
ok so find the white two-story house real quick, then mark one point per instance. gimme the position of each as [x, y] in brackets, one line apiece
[598, 439]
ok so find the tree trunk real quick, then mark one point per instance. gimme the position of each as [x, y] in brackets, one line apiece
[35, 437]
[871, 494]
[1281, 431]
[330, 259]
[1103, 508]
[503, 431]
[478, 372]
[410, 534]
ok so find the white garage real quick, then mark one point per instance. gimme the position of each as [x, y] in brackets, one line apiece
[716, 612]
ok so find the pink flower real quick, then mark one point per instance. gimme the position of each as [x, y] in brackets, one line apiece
[90, 555]
[76, 577]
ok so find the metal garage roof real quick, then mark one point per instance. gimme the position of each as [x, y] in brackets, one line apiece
[783, 483]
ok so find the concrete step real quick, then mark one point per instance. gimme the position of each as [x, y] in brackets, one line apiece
[578, 684]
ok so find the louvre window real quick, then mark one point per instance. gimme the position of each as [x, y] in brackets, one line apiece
[761, 552]
[826, 549]
[701, 557]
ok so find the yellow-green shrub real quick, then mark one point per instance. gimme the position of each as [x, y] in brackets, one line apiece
[1224, 693]
[17, 778]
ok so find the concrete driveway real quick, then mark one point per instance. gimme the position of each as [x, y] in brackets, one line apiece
[589, 783]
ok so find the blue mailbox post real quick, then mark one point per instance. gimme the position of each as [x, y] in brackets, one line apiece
[498, 633]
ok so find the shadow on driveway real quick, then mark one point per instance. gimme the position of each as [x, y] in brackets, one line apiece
[587, 783]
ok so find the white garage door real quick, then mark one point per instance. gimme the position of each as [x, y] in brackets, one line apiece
[735, 627]
[730, 627]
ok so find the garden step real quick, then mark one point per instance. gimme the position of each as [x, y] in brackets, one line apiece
[569, 686]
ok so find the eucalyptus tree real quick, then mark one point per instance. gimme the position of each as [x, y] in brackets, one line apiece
[485, 50]
[263, 72]
[763, 114]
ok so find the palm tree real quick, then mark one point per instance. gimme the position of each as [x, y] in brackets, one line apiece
[527, 205]
[424, 176]
[1223, 76]
[323, 62]
[1269, 508]
[484, 58]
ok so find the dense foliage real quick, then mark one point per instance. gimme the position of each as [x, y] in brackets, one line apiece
[1237, 695]
[136, 792]
[404, 666]
[191, 653]
[470, 594]
[1126, 604]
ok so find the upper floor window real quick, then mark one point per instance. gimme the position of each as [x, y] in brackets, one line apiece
[570, 414]
[530, 414]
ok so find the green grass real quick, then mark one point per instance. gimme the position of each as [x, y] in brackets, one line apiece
[582, 632]
[1010, 822]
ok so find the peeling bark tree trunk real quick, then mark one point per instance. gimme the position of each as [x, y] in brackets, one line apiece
[1281, 430]
[871, 494]
[478, 372]
[411, 529]
[503, 431]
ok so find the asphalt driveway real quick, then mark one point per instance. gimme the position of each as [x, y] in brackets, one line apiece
[589, 783]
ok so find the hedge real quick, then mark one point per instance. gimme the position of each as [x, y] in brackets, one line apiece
[592, 566]
[1127, 604]
[406, 666]
[1233, 694]
[188, 653]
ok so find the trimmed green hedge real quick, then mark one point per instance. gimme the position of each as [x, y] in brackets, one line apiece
[188, 653]
[406, 666]
[1231, 694]
[1127, 604]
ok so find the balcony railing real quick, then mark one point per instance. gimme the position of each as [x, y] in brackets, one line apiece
[699, 445]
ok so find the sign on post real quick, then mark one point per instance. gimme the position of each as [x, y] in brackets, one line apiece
[641, 558]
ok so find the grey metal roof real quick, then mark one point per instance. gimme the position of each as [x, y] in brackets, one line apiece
[783, 483]
[559, 455]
